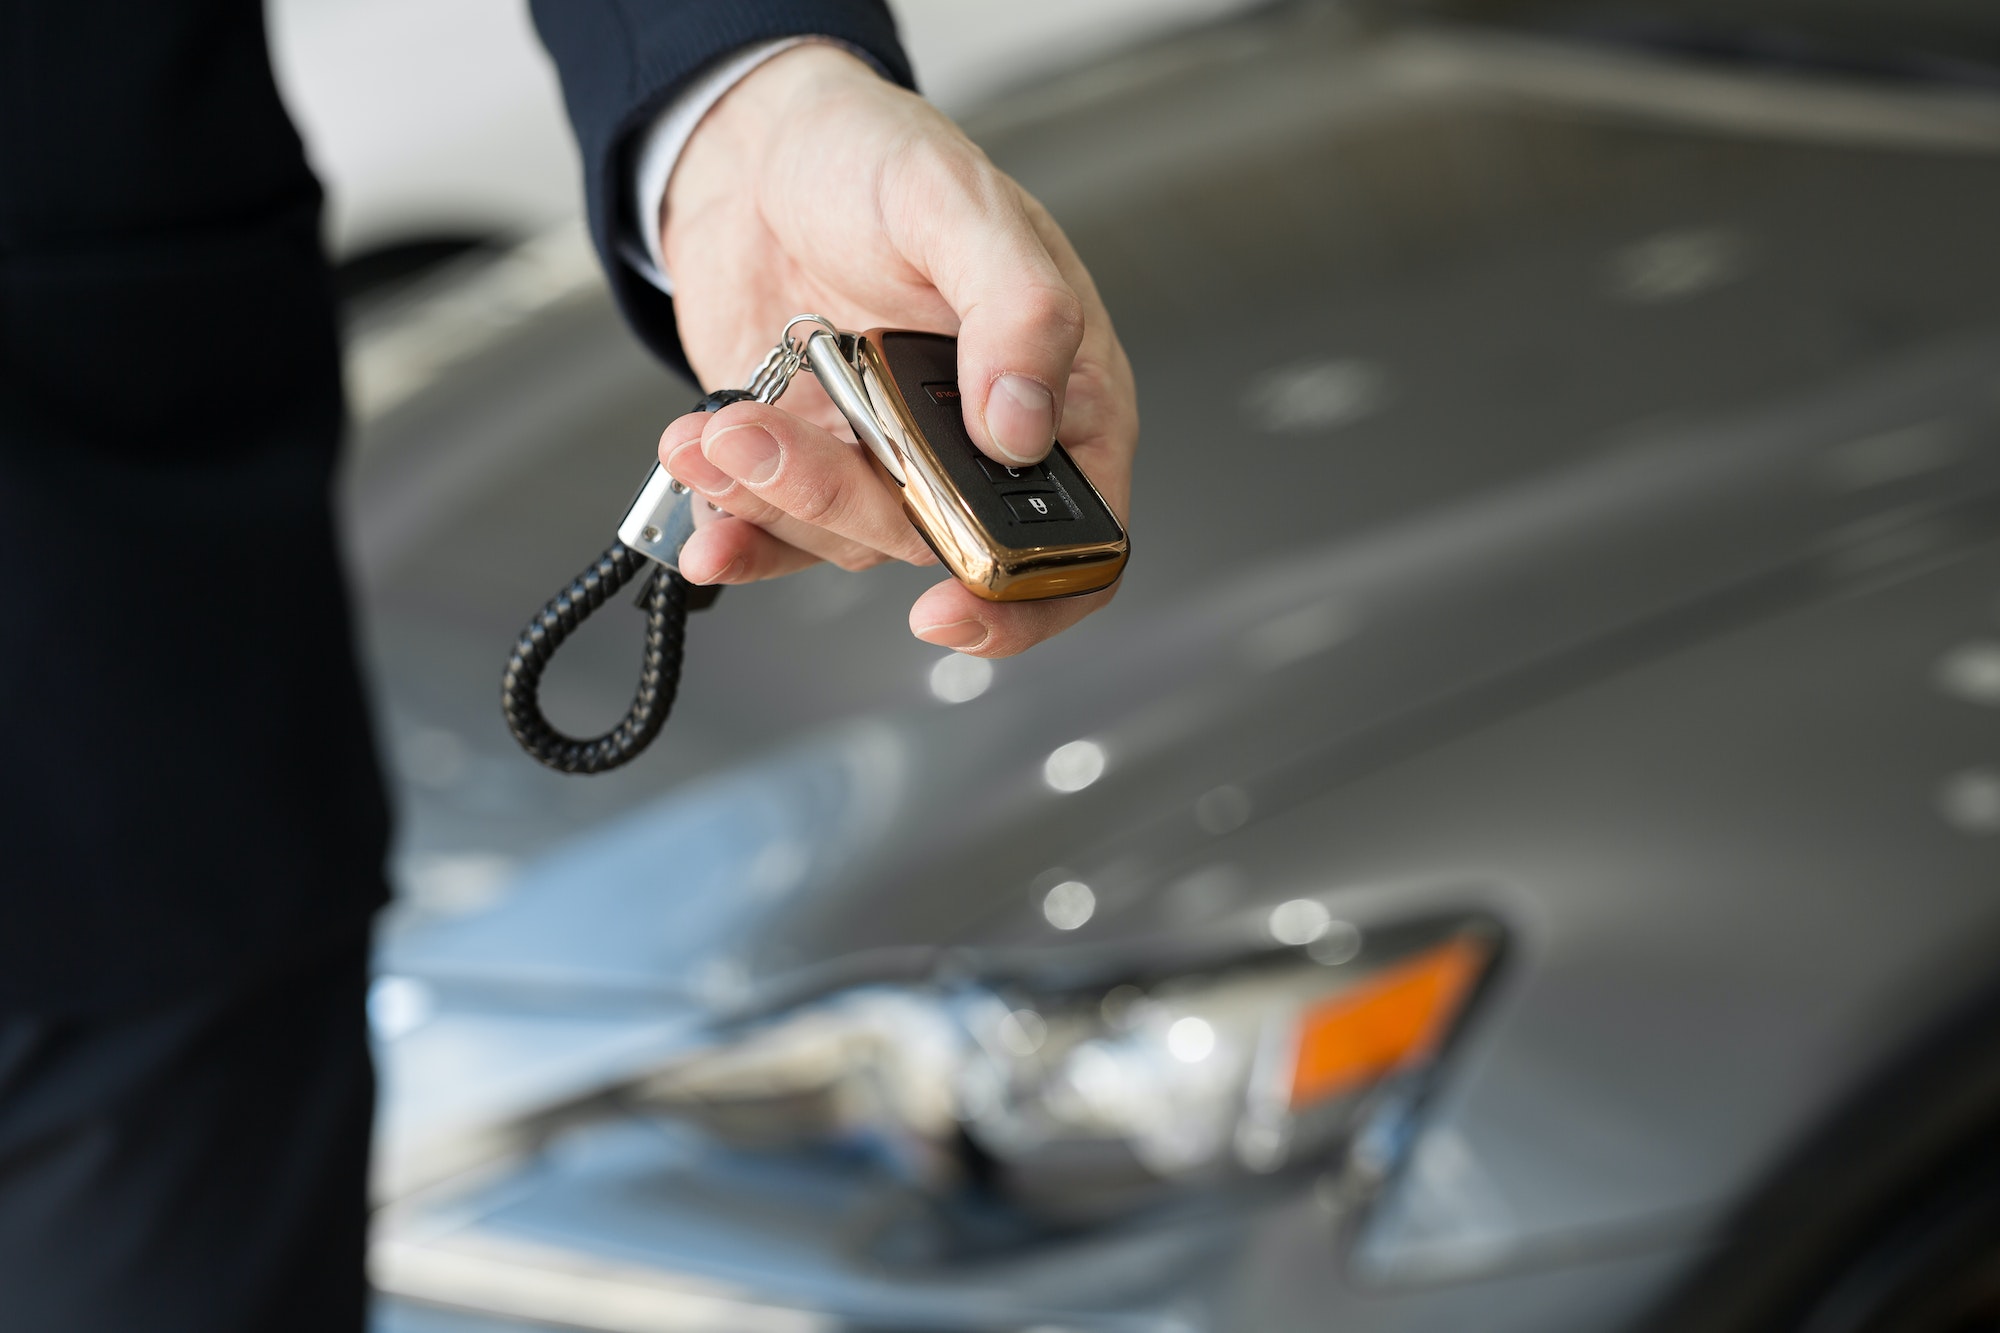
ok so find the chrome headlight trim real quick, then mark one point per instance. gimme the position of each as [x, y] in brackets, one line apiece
[1083, 1100]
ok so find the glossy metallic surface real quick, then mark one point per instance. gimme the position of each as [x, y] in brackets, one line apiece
[864, 386]
[1621, 563]
[660, 520]
[883, 432]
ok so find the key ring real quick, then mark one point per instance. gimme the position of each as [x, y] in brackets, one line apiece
[790, 344]
[775, 372]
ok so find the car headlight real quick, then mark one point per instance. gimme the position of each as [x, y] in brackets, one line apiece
[1080, 1100]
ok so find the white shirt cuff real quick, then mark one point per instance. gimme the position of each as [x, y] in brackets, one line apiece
[667, 137]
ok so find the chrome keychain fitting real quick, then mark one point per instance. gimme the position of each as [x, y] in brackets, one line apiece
[660, 519]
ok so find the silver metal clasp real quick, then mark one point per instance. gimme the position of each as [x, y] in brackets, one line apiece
[661, 517]
[660, 520]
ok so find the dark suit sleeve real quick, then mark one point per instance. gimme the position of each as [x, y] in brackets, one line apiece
[622, 60]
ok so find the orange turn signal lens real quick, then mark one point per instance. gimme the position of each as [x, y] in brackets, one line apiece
[1395, 1018]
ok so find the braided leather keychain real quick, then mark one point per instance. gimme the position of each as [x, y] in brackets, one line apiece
[658, 524]
[1006, 533]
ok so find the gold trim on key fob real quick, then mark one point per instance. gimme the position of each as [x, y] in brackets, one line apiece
[1009, 534]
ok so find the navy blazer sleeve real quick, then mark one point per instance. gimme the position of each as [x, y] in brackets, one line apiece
[622, 60]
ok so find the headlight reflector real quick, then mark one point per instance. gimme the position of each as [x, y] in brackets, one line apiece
[1086, 1100]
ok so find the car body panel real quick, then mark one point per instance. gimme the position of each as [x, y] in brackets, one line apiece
[882, 848]
[1560, 500]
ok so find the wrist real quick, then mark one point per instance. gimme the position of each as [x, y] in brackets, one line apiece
[733, 143]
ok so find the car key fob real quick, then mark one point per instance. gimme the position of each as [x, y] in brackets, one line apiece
[1010, 534]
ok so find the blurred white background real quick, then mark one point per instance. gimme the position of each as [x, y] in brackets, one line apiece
[442, 117]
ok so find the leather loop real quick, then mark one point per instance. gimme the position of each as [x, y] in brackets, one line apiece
[665, 597]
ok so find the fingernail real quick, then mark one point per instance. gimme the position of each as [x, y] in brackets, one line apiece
[687, 466]
[961, 634]
[1021, 415]
[748, 453]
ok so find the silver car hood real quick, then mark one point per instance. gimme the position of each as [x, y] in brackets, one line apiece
[895, 836]
[1354, 700]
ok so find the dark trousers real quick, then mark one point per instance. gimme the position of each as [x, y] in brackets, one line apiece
[196, 1166]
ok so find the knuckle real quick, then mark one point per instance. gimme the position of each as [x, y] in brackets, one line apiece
[1057, 309]
[750, 508]
[819, 504]
[931, 164]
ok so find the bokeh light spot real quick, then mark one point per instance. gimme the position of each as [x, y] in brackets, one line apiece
[1300, 921]
[1069, 904]
[1074, 766]
[1190, 1040]
[958, 679]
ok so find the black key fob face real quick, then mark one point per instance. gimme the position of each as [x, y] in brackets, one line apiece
[1008, 533]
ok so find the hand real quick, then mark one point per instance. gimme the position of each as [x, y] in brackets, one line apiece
[817, 185]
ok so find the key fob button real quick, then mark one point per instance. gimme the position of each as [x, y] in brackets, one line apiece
[1037, 507]
[1035, 476]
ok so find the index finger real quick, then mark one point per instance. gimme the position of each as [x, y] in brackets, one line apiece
[965, 225]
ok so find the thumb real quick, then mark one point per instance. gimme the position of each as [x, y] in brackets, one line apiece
[1020, 323]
